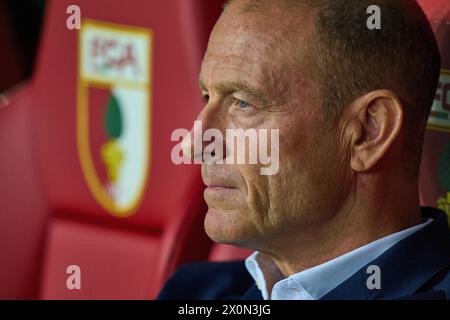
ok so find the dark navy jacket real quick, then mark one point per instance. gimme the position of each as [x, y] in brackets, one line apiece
[418, 267]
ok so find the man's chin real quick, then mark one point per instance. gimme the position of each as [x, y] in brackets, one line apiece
[227, 227]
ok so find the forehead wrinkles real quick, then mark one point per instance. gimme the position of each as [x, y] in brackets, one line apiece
[255, 35]
[274, 23]
[265, 76]
[239, 53]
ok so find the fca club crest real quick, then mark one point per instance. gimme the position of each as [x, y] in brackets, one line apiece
[114, 113]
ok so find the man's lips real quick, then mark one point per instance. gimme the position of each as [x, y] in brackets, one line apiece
[218, 183]
[216, 189]
[219, 186]
[219, 189]
[221, 193]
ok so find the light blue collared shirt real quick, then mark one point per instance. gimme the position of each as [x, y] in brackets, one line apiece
[314, 283]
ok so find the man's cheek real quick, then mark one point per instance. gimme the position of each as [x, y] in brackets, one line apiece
[257, 190]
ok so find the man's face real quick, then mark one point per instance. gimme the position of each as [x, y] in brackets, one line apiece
[256, 74]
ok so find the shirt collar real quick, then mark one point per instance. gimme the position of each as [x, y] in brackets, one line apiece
[314, 283]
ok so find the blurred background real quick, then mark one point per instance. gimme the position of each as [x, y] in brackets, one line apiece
[87, 184]
[20, 29]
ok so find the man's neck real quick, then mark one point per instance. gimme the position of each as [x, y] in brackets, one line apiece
[360, 220]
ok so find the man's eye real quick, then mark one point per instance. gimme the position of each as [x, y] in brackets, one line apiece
[242, 104]
[205, 98]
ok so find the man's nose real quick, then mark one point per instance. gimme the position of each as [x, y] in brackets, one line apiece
[207, 128]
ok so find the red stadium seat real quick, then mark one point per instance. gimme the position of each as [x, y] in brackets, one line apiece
[23, 212]
[79, 126]
[435, 170]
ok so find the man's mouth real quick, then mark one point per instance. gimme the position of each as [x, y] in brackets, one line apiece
[220, 193]
[220, 189]
[221, 184]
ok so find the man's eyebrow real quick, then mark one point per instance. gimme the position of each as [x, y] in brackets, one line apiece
[227, 88]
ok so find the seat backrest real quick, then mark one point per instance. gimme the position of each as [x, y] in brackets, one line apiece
[110, 97]
[115, 211]
[435, 169]
[22, 204]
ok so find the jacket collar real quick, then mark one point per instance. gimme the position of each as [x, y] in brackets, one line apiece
[404, 268]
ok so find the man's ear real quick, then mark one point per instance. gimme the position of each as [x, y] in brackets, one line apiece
[372, 123]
